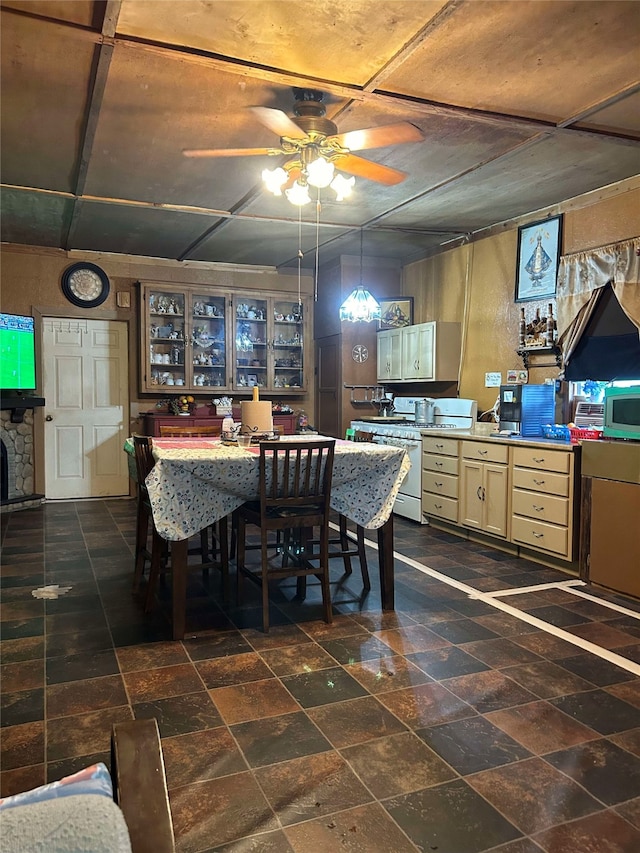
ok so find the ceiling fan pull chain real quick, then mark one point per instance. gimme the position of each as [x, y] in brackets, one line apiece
[300, 254]
[318, 209]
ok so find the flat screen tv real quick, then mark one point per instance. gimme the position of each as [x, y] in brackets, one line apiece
[17, 353]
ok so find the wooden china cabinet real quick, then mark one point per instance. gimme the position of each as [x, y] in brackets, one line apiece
[198, 339]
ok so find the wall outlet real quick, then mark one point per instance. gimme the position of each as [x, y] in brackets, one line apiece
[492, 380]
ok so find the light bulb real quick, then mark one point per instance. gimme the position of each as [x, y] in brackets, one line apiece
[342, 186]
[298, 194]
[320, 172]
[275, 179]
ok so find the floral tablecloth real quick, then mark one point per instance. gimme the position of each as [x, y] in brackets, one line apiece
[198, 481]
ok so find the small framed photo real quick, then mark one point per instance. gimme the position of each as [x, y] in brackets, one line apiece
[395, 312]
[252, 380]
[539, 247]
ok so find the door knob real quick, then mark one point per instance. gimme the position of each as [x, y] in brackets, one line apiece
[49, 418]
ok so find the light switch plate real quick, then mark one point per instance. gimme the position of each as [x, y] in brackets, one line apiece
[492, 380]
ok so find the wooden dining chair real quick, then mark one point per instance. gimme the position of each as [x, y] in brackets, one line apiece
[169, 431]
[219, 531]
[347, 547]
[158, 557]
[295, 487]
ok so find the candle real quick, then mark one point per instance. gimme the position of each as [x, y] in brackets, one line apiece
[255, 394]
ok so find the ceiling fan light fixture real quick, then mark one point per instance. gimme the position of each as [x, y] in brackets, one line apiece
[342, 186]
[275, 179]
[298, 194]
[320, 172]
[360, 307]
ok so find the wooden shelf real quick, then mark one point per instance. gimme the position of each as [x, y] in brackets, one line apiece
[525, 354]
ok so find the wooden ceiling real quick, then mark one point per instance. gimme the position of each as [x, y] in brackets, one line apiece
[522, 104]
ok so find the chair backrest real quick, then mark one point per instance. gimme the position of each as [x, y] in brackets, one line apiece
[296, 474]
[143, 448]
[188, 431]
[361, 435]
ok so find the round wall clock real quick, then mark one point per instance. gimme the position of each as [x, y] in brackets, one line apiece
[85, 284]
[359, 353]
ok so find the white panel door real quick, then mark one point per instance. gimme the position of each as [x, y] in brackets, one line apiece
[87, 400]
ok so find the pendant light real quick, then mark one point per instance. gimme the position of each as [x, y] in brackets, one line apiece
[360, 306]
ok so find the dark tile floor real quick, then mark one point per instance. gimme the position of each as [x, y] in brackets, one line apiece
[451, 724]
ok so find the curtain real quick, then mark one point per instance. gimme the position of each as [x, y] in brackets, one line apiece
[580, 279]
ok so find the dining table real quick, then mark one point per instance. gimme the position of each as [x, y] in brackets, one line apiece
[197, 481]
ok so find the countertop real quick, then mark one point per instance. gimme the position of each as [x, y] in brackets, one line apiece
[483, 432]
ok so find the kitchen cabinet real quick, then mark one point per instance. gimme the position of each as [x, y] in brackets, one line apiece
[609, 528]
[426, 352]
[440, 480]
[542, 500]
[390, 355]
[525, 492]
[484, 473]
[195, 338]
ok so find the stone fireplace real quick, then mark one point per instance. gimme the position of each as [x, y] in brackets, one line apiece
[17, 461]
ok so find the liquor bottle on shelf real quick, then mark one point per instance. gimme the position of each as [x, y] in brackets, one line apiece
[523, 328]
[551, 327]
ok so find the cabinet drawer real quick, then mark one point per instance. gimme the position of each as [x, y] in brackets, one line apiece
[541, 507]
[440, 484]
[446, 508]
[538, 535]
[443, 464]
[484, 451]
[443, 446]
[541, 481]
[542, 460]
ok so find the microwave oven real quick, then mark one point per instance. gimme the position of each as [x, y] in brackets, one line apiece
[621, 417]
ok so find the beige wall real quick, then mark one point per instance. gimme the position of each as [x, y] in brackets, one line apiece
[30, 284]
[475, 284]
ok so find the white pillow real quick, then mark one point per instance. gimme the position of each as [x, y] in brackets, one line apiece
[83, 823]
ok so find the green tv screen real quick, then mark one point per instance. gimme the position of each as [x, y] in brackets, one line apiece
[17, 353]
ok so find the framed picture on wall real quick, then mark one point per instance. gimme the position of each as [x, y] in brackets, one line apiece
[395, 312]
[539, 247]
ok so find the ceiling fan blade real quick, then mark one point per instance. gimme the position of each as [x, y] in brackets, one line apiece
[278, 122]
[379, 137]
[225, 152]
[366, 169]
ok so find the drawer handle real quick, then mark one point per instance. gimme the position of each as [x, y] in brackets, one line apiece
[438, 485]
[438, 506]
[538, 535]
[439, 464]
[538, 459]
[538, 508]
[439, 446]
[538, 482]
[483, 452]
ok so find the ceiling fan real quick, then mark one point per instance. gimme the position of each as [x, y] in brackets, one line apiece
[310, 138]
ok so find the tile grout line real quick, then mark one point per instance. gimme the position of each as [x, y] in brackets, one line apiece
[610, 604]
[520, 590]
[585, 645]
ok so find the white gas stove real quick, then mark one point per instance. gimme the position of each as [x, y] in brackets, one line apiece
[402, 430]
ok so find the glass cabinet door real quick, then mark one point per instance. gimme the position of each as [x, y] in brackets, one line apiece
[250, 342]
[288, 364]
[208, 341]
[166, 337]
